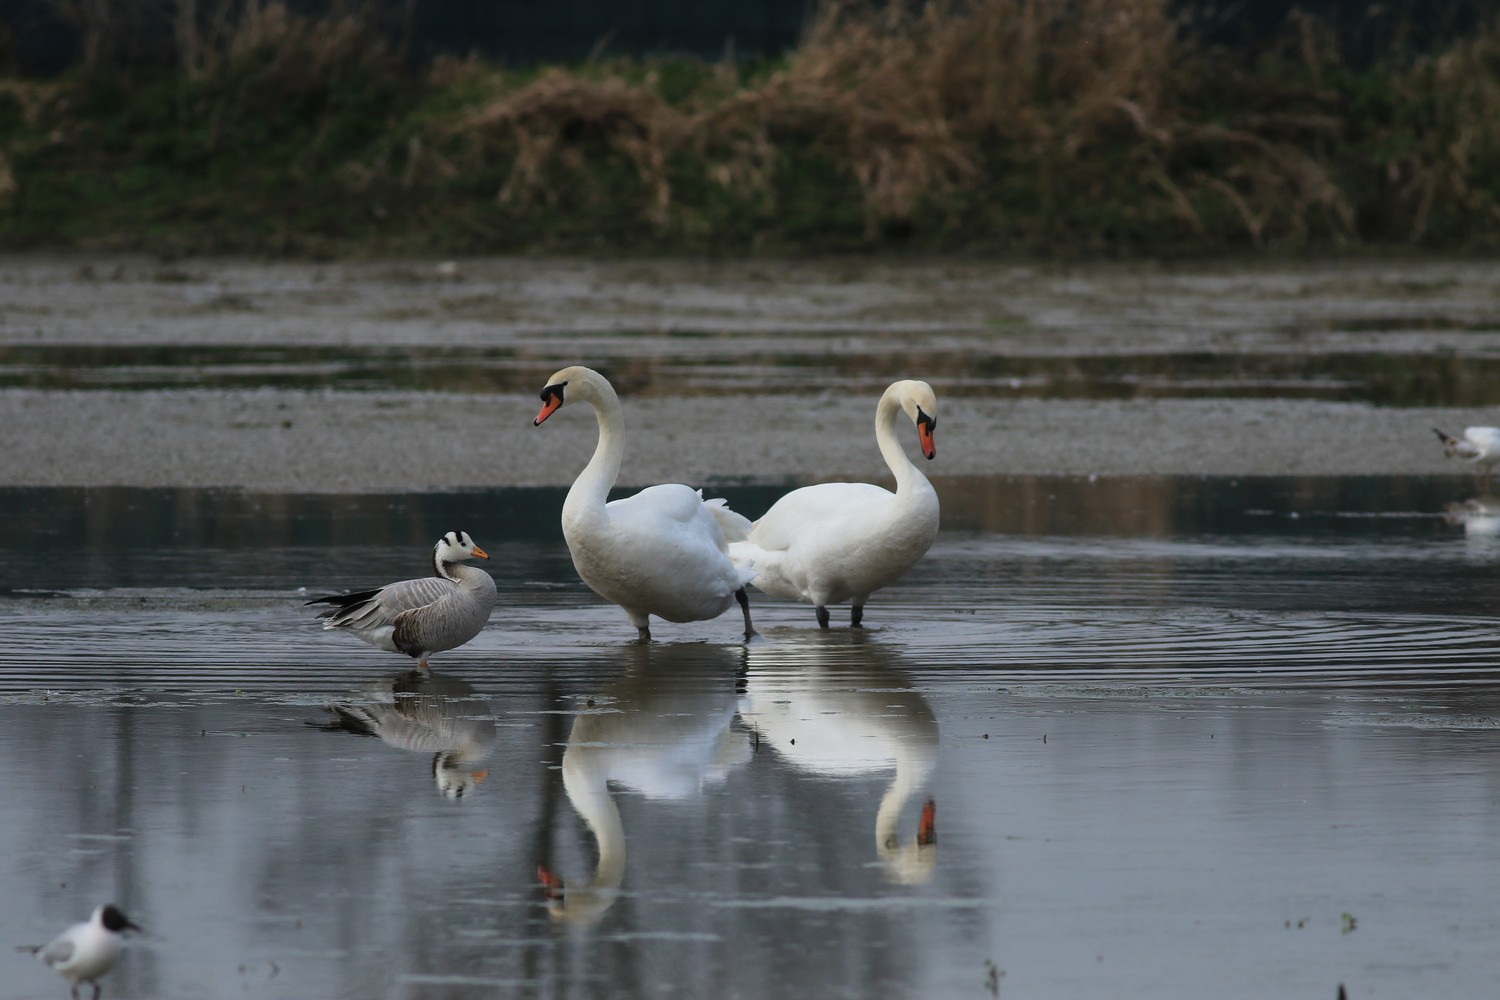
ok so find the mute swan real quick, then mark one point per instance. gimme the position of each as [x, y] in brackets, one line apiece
[838, 712]
[86, 951]
[425, 616]
[1480, 446]
[663, 551]
[660, 732]
[837, 542]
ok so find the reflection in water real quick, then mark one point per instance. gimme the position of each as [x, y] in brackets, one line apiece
[832, 707]
[426, 712]
[1480, 519]
[662, 731]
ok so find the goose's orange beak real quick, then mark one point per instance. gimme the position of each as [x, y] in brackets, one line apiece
[480, 553]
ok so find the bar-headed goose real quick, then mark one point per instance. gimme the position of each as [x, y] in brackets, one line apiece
[836, 542]
[663, 551]
[425, 616]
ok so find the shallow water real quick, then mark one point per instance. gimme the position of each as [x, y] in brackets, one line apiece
[1182, 737]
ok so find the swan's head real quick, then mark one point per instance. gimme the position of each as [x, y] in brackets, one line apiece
[919, 403]
[457, 546]
[571, 385]
[912, 863]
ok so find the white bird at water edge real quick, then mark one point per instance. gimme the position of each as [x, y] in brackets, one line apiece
[1479, 446]
[86, 951]
[835, 542]
[663, 551]
[424, 616]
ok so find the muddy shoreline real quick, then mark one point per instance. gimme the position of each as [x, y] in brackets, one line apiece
[678, 333]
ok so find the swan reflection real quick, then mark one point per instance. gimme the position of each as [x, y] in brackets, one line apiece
[426, 712]
[665, 731]
[836, 708]
[1480, 519]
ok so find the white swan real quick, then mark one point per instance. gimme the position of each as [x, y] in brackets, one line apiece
[660, 732]
[1480, 446]
[837, 712]
[837, 542]
[423, 616]
[663, 551]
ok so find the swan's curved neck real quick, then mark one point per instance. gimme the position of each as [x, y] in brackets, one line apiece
[908, 476]
[589, 793]
[591, 489]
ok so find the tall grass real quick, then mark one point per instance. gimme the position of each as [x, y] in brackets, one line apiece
[1051, 126]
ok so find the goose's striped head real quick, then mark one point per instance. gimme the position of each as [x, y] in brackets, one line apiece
[456, 546]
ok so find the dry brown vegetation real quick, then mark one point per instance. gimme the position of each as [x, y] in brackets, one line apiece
[1085, 125]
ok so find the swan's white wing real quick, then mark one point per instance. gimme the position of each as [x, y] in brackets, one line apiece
[812, 510]
[736, 526]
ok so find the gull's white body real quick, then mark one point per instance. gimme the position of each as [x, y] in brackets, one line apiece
[86, 951]
[1479, 446]
[424, 616]
[837, 542]
[662, 551]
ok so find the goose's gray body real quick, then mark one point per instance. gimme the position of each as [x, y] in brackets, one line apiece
[424, 616]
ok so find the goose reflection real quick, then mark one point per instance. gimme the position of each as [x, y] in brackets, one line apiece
[664, 731]
[426, 712]
[835, 707]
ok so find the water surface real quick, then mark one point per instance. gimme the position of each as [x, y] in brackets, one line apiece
[1180, 736]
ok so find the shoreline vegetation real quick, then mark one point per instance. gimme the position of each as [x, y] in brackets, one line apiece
[991, 127]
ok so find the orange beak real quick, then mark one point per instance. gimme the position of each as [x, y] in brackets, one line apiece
[479, 776]
[551, 884]
[927, 825]
[552, 398]
[548, 408]
[924, 436]
[481, 553]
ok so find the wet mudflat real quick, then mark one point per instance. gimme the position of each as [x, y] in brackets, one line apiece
[1181, 736]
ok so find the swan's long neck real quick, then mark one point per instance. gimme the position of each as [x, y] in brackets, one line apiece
[591, 489]
[588, 789]
[908, 476]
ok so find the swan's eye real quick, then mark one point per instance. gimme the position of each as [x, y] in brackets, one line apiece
[923, 418]
[553, 390]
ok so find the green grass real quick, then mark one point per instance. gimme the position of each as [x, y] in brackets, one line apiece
[976, 128]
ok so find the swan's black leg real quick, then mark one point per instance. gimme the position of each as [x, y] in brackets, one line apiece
[856, 615]
[822, 616]
[744, 599]
[643, 633]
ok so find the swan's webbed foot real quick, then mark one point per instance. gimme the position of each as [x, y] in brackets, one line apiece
[822, 616]
[744, 599]
[856, 615]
